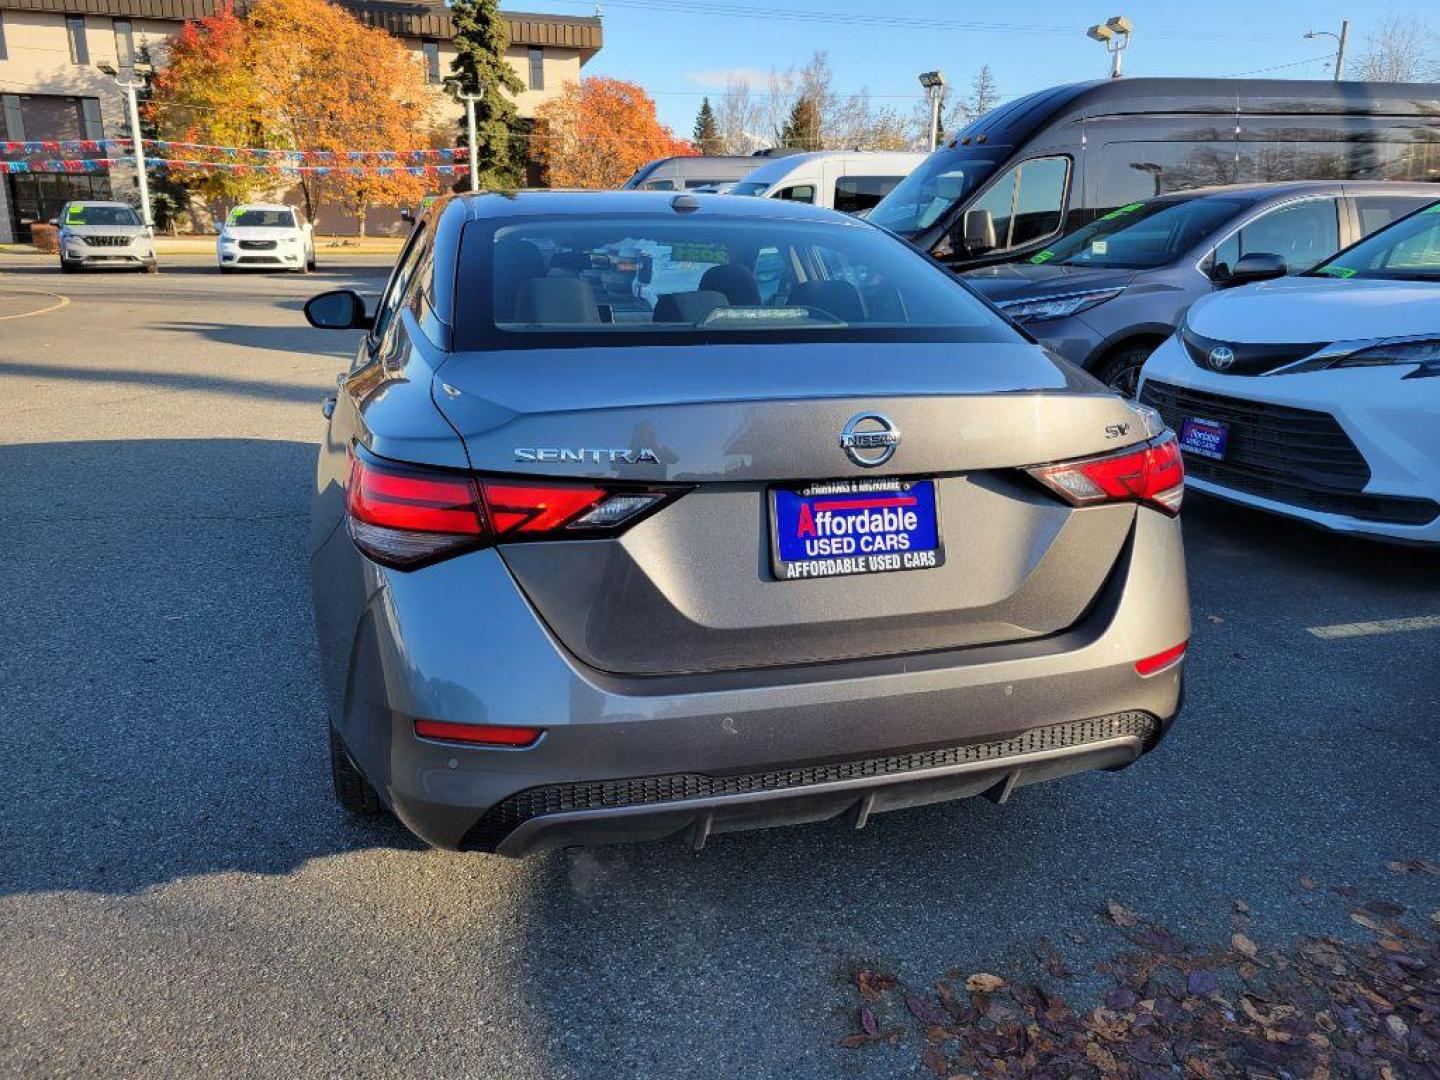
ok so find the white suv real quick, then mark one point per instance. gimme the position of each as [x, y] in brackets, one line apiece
[1318, 396]
[265, 236]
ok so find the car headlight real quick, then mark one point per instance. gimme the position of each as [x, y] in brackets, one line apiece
[1381, 352]
[1056, 307]
[226, 241]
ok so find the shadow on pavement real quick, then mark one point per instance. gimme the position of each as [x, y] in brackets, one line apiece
[178, 380]
[163, 712]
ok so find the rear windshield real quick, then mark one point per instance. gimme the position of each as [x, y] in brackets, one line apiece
[100, 215]
[750, 187]
[1143, 235]
[273, 219]
[1406, 249]
[637, 279]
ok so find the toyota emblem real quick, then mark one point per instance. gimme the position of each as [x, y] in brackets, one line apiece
[1221, 357]
[870, 439]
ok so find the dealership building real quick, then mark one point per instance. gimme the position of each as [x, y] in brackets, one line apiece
[52, 88]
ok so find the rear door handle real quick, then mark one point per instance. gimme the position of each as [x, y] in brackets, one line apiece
[328, 407]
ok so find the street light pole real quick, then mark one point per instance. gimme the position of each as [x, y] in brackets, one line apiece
[470, 100]
[1114, 34]
[130, 85]
[1340, 44]
[934, 84]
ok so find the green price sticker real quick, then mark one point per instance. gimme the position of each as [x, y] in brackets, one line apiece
[1339, 271]
[234, 215]
[1041, 257]
[75, 215]
[1128, 208]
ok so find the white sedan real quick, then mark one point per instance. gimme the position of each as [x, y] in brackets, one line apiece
[265, 236]
[1318, 396]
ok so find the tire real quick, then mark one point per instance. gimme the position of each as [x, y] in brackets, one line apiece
[303, 268]
[226, 269]
[1121, 369]
[152, 267]
[67, 268]
[352, 791]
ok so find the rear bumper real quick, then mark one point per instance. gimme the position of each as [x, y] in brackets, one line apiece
[629, 758]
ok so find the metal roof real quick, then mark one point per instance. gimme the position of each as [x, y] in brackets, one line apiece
[423, 18]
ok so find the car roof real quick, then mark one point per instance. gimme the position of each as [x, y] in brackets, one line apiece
[549, 203]
[1305, 187]
[779, 168]
[263, 206]
[99, 202]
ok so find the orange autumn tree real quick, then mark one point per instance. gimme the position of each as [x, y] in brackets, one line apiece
[598, 131]
[298, 75]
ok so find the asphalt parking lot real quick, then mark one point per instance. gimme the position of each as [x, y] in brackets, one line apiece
[179, 892]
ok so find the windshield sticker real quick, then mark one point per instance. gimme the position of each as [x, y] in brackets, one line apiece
[1432, 209]
[1128, 208]
[75, 215]
[235, 215]
[1043, 256]
[1099, 247]
[1338, 271]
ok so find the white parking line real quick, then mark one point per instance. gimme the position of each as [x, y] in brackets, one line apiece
[1380, 626]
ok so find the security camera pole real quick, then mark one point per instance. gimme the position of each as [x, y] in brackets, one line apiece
[934, 84]
[130, 85]
[1114, 34]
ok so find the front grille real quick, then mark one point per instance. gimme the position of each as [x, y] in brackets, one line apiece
[106, 241]
[267, 259]
[1295, 456]
[502, 819]
[258, 245]
[1247, 358]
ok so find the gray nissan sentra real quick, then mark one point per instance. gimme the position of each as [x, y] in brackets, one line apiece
[795, 529]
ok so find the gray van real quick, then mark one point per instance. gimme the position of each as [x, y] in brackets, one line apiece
[1106, 295]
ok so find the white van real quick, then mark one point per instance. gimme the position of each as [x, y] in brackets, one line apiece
[847, 180]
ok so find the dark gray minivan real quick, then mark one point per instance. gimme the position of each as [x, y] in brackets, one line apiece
[1106, 295]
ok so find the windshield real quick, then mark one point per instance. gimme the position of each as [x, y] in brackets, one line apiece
[1143, 235]
[76, 214]
[272, 219]
[943, 179]
[1409, 248]
[749, 187]
[637, 280]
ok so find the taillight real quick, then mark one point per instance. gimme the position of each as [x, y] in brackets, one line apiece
[1152, 473]
[479, 734]
[405, 516]
[1153, 665]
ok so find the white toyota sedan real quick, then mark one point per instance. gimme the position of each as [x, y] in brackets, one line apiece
[1318, 396]
[265, 236]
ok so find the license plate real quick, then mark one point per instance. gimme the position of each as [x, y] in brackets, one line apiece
[1204, 437]
[844, 527]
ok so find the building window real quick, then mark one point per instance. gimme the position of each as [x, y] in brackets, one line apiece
[14, 127]
[90, 118]
[124, 43]
[75, 31]
[431, 51]
[537, 68]
[3, 54]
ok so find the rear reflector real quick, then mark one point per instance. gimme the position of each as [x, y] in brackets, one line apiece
[405, 516]
[479, 734]
[1152, 473]
[1153, 665]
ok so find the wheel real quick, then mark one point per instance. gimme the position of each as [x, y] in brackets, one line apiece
[227, 269]
[303, 268]
[152, 267]
[67, 268]
[1121, 370]
[310, 262]
[352, 790]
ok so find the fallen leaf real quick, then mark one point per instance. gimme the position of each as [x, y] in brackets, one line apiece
[1389, 944]
[850, 1042]
[868, 1022]
[1122, 915]
[1244, 946]
[935, 1061]
[1077, 937]
[1202, 983]
[1397, 1027]
[1101, 1058]
[1435, 917]
[1307, 883]
[1242, 907]
[1361, 919]
[1216, 619]
[1414, 866]
[923, 1011]
[984, 983]
[872, 984]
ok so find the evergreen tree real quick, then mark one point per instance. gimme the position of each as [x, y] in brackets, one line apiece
[707, 131]
[802, 127]
[482, 34]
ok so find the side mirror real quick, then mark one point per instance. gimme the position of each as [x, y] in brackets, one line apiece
[55, 221]
[342, 309]
[977, 232]
[1257, 266]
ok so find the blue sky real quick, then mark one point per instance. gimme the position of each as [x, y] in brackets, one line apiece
[681, 49]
